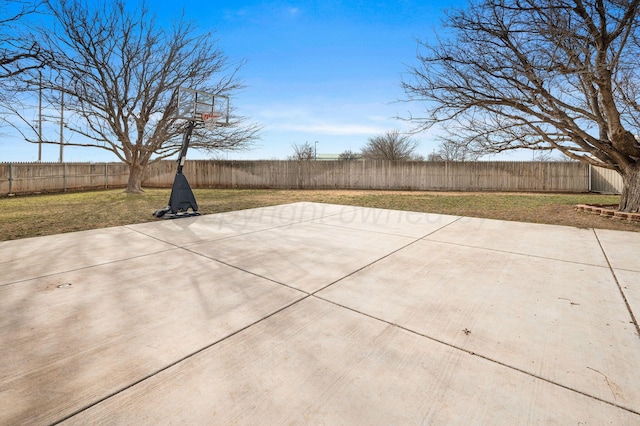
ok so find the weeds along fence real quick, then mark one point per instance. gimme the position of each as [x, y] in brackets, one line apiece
[26, 178]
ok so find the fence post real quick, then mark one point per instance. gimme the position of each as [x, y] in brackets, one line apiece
[106, 175]
[10, 177]
[64, 177]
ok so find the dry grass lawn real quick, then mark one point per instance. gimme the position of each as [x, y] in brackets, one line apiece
[36, 215]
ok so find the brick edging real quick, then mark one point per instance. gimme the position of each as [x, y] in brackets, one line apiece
[608, 210]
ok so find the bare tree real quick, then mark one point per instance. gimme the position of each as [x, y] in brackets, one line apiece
[540, 74]
[349, 155]
[435, 156]
[302, 152]
[120, 73]
[19, 50]
[391, 145]
[452, 150]
[542, 156]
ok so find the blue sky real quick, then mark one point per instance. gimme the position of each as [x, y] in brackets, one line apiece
[326, 71]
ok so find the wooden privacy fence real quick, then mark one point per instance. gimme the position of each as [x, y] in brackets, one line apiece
[400, 175]
[24, 178]
[606, 181]
[29, 178]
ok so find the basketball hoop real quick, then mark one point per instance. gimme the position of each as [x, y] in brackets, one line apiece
[210, 119]
[205, 109]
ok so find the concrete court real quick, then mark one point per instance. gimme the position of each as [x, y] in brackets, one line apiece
[312, 313]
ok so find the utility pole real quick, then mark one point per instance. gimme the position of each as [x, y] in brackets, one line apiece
[40, 120]
[54, 118]
[61, 123]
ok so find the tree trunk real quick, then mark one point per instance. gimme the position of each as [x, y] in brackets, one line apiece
[630, 201]
[134, 184]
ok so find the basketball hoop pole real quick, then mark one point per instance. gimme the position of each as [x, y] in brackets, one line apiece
[182, 198]
[185, 145]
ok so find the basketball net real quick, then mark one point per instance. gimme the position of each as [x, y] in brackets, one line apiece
[210, 119]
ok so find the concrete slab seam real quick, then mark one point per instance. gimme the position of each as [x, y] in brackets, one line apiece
[294, 222]
[178, 361]
[151, 236]
[383, 257]
[615, 278]
[450, 345]
[89, 266]
[515, 253]
[243, 270]
[208, 239]
[186, 248]
[386, 233]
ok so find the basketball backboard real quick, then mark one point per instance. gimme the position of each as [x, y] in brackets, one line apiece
[201, 106]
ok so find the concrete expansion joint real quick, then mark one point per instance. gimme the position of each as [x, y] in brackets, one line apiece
[480, 355]
[515, 253]
[634, 320]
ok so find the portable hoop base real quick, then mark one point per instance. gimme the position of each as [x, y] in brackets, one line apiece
[180, 201]
[182, 198]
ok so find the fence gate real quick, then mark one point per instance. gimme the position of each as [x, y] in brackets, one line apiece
[605, 181]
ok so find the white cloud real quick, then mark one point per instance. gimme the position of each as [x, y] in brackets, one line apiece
[327, 119]
[293, 11]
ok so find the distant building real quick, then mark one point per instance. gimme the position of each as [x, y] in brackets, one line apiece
[327, 157]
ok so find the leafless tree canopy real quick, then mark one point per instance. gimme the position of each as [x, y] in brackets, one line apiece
[451, 150]
[349, 155]
[391, 145]
[19, 50]
[303, 152]
[120, 71]
[539, 74]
